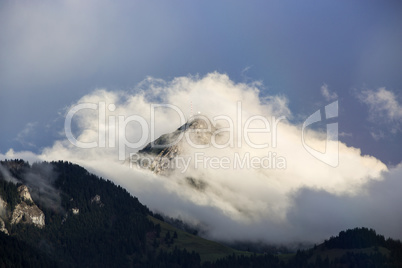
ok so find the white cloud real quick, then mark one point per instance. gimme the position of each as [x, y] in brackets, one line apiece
[345, 134]
[327, 94]
[377, 135]
[249, 203]
[384, 108]
[26, 155]
[24, 135]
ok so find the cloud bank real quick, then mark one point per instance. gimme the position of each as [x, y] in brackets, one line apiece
[328, 95]
[304, 200]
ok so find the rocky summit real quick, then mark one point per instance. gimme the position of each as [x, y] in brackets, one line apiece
[196, 133]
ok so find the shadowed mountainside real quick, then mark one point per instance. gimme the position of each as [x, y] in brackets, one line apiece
[91, 222]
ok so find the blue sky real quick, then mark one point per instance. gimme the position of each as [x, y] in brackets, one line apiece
[54, 52]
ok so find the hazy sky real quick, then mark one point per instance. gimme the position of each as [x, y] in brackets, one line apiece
[280, 57]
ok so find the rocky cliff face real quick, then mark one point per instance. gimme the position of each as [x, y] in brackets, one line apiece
[3, 206]
[27, 211]
[30, 214]
[3, 227]
[157, 156]
[24, 212]
[24, 193]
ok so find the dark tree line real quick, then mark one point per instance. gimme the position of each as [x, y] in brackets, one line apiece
[116, 232]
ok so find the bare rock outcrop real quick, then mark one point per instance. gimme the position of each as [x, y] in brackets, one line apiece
[3, 206]
[28, 214]
[27, 211]
[97, 200]
[24, 193]
[3, 227]
[159, 156]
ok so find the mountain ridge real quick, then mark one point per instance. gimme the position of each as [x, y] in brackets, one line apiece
[112, 228]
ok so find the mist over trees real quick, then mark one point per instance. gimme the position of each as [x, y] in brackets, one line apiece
[99, 224]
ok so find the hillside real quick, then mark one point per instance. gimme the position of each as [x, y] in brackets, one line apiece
[208, 250]
[359, 247]
[91, 222]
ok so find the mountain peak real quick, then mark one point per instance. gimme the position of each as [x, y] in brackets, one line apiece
[197, 130]
[197, 122]
[196, 133]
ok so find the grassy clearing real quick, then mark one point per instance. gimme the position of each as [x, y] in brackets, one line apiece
[286, 257]
[208, 250]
